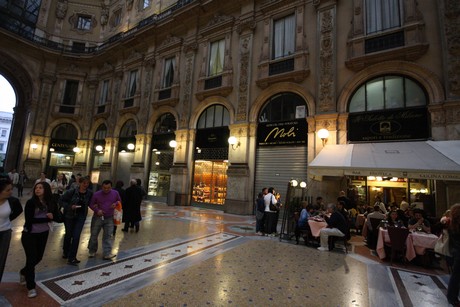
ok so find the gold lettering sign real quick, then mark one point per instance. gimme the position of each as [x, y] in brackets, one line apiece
[281, 133]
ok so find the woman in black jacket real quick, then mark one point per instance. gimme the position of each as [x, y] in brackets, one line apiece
[10, 208]
[454, 240]
[39, 211]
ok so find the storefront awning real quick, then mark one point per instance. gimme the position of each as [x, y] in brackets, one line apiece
[438, 160]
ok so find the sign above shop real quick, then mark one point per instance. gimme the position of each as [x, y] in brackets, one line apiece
[62, 145]
[282, 133]
[400, 124]
[403, 174]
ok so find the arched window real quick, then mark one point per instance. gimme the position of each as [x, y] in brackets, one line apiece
[387, 92]
[214, 116]
[282, 107]
[165, 124]
[65, 132]
[129, 129]
[101, 132]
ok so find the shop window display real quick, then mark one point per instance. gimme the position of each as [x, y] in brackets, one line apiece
[210, 182]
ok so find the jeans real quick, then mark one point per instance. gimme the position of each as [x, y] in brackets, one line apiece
[97, 223]
[73, 228]
[454, 281]
[34, 246]
[5, 238]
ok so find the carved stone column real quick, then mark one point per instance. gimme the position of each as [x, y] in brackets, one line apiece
[180, 178]
[327, 57]
[186, 97]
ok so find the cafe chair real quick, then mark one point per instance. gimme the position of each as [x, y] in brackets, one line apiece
[398, 237]
[374, 234]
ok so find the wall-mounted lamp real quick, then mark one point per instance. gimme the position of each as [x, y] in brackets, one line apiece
[76, 150]
[323, 134]
[234, 142]
[294, 182]
[131, 146]
[173, 144]
[34, 146]
[303, 184]
[198, 149]
[99, 148]
[52, 149]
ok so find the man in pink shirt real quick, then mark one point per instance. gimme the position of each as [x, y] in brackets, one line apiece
[103, 204]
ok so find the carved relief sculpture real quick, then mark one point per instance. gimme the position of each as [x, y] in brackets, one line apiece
[61, 9]
[243, 93]
[104, 15]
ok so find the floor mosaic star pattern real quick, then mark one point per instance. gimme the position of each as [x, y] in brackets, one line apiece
[70, 286]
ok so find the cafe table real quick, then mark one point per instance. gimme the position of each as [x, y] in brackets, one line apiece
[416, 243]
[316, 225]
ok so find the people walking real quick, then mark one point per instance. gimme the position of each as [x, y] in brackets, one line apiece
[103, 204]
[132, 206]
[39, 211]
[22, 180]
[10, 208]
[58, 186]
[75, 203]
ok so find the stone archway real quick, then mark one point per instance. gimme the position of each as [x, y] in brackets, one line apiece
[23, 86]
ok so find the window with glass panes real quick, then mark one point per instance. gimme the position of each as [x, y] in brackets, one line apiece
[387, 92]
[382, 15]
[132, 83]
[70, 93]
[84, 22]
[216, 58]
[168, 73]
[283, 37]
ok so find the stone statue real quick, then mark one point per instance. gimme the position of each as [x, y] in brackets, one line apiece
[61, 9]
[104, 15]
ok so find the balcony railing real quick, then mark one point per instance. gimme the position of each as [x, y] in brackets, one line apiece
[67, 109]
[213, 82]
[14, 28]
[164, 94]
[281, 67]
[384, 42]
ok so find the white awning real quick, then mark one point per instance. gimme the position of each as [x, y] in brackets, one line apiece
[422, 160]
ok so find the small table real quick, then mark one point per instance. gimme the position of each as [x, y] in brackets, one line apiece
[416, 243]
[316, 226]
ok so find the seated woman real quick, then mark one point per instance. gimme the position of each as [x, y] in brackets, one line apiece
[419, 223]
[302, 223]
[393, 219]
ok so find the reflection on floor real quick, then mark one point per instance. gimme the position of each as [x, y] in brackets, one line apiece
[187, 256]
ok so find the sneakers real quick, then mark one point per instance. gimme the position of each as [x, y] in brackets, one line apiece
[109, 257]
[31, 293]
[22, 279]
[91, 254]
[323, 249]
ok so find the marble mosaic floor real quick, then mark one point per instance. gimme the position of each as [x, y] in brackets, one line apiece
[187, 256]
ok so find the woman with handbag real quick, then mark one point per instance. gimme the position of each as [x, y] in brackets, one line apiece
[39, 212]
[454, 241]
[271, 213]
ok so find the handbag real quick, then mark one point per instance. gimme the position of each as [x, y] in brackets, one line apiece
[272, 206]
[117, 214]
[442, 244]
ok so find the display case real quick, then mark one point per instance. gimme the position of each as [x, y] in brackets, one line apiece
[210, 182]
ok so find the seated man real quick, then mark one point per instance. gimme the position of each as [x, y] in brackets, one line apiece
[336, 226]
[419, 223]
[302, 223]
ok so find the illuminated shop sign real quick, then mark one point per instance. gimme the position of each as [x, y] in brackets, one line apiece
[388, 125]
[63, 145]
[282, 133]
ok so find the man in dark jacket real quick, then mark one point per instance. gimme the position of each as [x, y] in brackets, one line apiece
[336, 226]
[132, 206]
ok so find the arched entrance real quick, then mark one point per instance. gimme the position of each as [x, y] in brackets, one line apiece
[281, 142]
[23, 86]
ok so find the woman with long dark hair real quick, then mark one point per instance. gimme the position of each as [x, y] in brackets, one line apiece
[10, 208]
[39, 211]
[454, 240]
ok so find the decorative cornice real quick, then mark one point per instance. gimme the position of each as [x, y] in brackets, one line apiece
[169, 43]
[218, 23]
